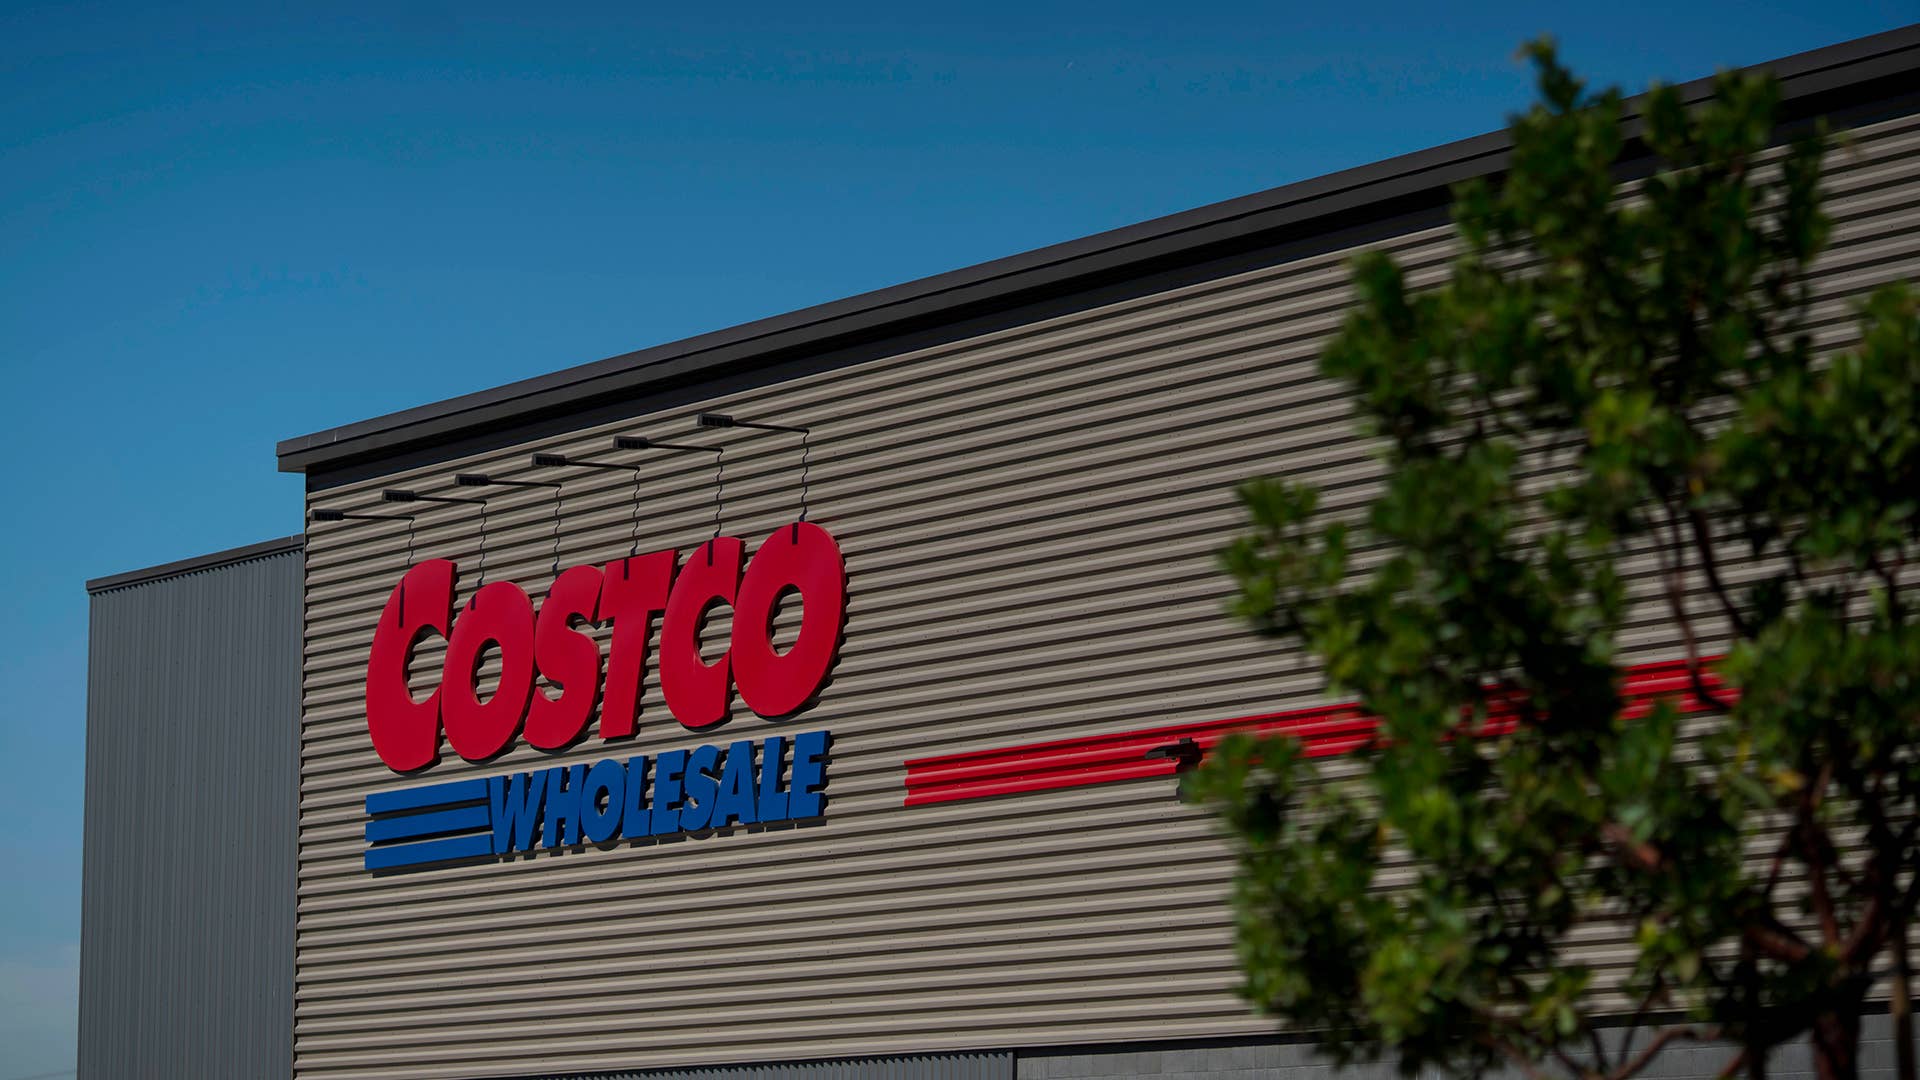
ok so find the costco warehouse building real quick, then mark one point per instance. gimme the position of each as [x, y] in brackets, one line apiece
[778, 702]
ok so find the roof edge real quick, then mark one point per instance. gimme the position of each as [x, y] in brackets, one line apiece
[211, 561]
[1858, 64]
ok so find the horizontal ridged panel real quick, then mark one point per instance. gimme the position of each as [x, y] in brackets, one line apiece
[985, 1066]
[1028, 520]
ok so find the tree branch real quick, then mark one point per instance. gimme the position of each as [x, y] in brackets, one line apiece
[1869, 934]
[1889, 578]
[1514, 1057]
[1629, 852]
[1672, 569]
[1654, 992]
[1814, 852]
[1909, 902]
[1659, 1042]
[1568, 1063]
[1774, 939]
[1709, 562]
[1779, 863]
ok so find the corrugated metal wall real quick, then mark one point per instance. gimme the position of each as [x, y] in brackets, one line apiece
[186, 924]
[987, 1066]
[1028, 520]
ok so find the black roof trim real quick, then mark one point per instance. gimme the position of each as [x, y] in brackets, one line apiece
[1812, 83]
[199, 562]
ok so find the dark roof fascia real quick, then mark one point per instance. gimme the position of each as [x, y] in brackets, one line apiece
[199, 562]
[1812, 83]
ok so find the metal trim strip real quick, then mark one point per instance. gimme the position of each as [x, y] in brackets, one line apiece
[211, 561]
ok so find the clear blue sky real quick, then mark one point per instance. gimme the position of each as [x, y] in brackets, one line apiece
[221, 226]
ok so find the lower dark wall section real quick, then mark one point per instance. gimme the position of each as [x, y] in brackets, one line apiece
[187, 896]
[1219, 1059]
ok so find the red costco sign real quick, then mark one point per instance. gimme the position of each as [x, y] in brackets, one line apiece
[628, 593]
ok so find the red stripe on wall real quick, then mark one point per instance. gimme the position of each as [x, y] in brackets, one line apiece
[1326, 731]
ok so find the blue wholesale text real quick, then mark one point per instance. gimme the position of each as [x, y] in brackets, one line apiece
[612, 800]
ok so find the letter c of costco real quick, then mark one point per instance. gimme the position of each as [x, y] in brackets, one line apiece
[628, 593]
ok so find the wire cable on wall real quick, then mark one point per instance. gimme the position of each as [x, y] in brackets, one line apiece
[475, 480]
[636, 442]
[321, 513]
[402, 495]
[724, 420]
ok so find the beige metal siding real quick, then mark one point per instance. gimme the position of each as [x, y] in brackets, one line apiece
[1028, 519]
[992, 1065]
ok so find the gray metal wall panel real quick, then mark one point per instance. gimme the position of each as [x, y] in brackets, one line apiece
[1029, 519]
[186, 938]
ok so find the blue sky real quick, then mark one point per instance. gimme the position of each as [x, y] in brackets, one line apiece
[221, 226]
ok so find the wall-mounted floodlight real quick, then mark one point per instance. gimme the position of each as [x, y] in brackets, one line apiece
[727, 420]
[403, 495]
[321, 513]
[637, 442]
[564, 461]
[481, 480]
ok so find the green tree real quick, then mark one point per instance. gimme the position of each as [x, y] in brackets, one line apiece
[1612, 412]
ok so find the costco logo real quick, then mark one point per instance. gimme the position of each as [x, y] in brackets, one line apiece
[707, 788]
[797, 559]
